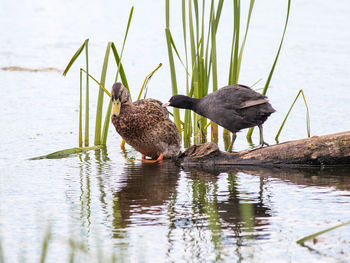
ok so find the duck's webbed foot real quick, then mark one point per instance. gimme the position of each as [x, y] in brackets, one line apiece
[159, 159]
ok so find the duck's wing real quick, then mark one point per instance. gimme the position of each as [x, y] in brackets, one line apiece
[159, 131]
[151, 105]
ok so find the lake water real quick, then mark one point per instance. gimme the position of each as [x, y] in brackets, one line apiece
[111, 202]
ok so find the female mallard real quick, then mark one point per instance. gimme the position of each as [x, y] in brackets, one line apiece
[233, 107]
[144, 125]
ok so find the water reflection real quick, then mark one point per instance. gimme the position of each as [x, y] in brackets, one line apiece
[336, 177]
[230, 203]
[203, 212]
[147, 187]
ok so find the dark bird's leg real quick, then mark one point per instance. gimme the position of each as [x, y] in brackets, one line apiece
[262, 142]
[234, 136]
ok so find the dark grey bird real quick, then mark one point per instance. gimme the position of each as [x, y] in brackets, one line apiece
[233, 107]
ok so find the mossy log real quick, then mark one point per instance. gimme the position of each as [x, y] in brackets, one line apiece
[326, 150]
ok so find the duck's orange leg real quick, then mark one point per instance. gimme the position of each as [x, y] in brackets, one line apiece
[159, 159]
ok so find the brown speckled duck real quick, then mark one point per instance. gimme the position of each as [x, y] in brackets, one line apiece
[144, 125]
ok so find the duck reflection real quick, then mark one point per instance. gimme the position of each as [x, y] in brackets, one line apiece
[147, 188]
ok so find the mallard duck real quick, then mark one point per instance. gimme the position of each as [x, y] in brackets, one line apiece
[144, 125]
[233, 107]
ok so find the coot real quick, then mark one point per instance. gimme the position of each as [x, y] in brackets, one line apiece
[233, 107]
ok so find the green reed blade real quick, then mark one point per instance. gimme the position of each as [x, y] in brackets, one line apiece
[237, 12]
[214, 126]
[121, 68]
[203, 89]
[80, 111]
[167, 15]
[304, 239]
[45, 244]
[278, 53]
[233, 71]
[109, 108]
[291, 107]
[187, 122]
[267, 84]
[202, 29]
[145, 82]
[74, 58]
[125, 36]
[192, 38]
[66, 153]
[218, 14]
[195, 5]
[176, 52]
[2, 260]
[307, 115]
[173, 77]
[86, 141]
[256, 82]
[98, 83]
[185, 42]
[100, 97]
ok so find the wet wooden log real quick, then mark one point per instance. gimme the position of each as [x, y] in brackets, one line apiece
[326, 150]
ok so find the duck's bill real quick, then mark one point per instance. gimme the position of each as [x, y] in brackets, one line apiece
[166, 104]
[116, 107]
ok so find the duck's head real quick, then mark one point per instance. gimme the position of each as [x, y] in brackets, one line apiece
[119, 96]
[180, 101]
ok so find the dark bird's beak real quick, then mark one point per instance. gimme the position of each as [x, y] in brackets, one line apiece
[166, 104]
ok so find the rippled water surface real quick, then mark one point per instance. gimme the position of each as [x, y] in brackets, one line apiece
[107, 201]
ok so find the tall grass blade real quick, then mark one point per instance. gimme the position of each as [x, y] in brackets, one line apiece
[304, 239]
[98, 83]
[86, 141]
[145, 82]
[307, 116]
[67, 152]
[176, 52]
[80, 111]
[192, 37]
[109, 108]
[218, 14]
[124, 41]
[173, 77]
[195, 5]
[98, 121]
[74, 58]
[121, 68]
[278, 53]
[267, 84]
[233, 71]
[45, 244]
[214, 126]
[2, 258]
[237, 11]
[187, 123]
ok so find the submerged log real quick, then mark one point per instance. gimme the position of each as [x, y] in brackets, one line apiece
[326, 150]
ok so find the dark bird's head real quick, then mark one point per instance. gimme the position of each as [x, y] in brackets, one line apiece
[181, 101]
[119, 96]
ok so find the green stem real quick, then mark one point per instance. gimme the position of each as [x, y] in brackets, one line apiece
[86, 141]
